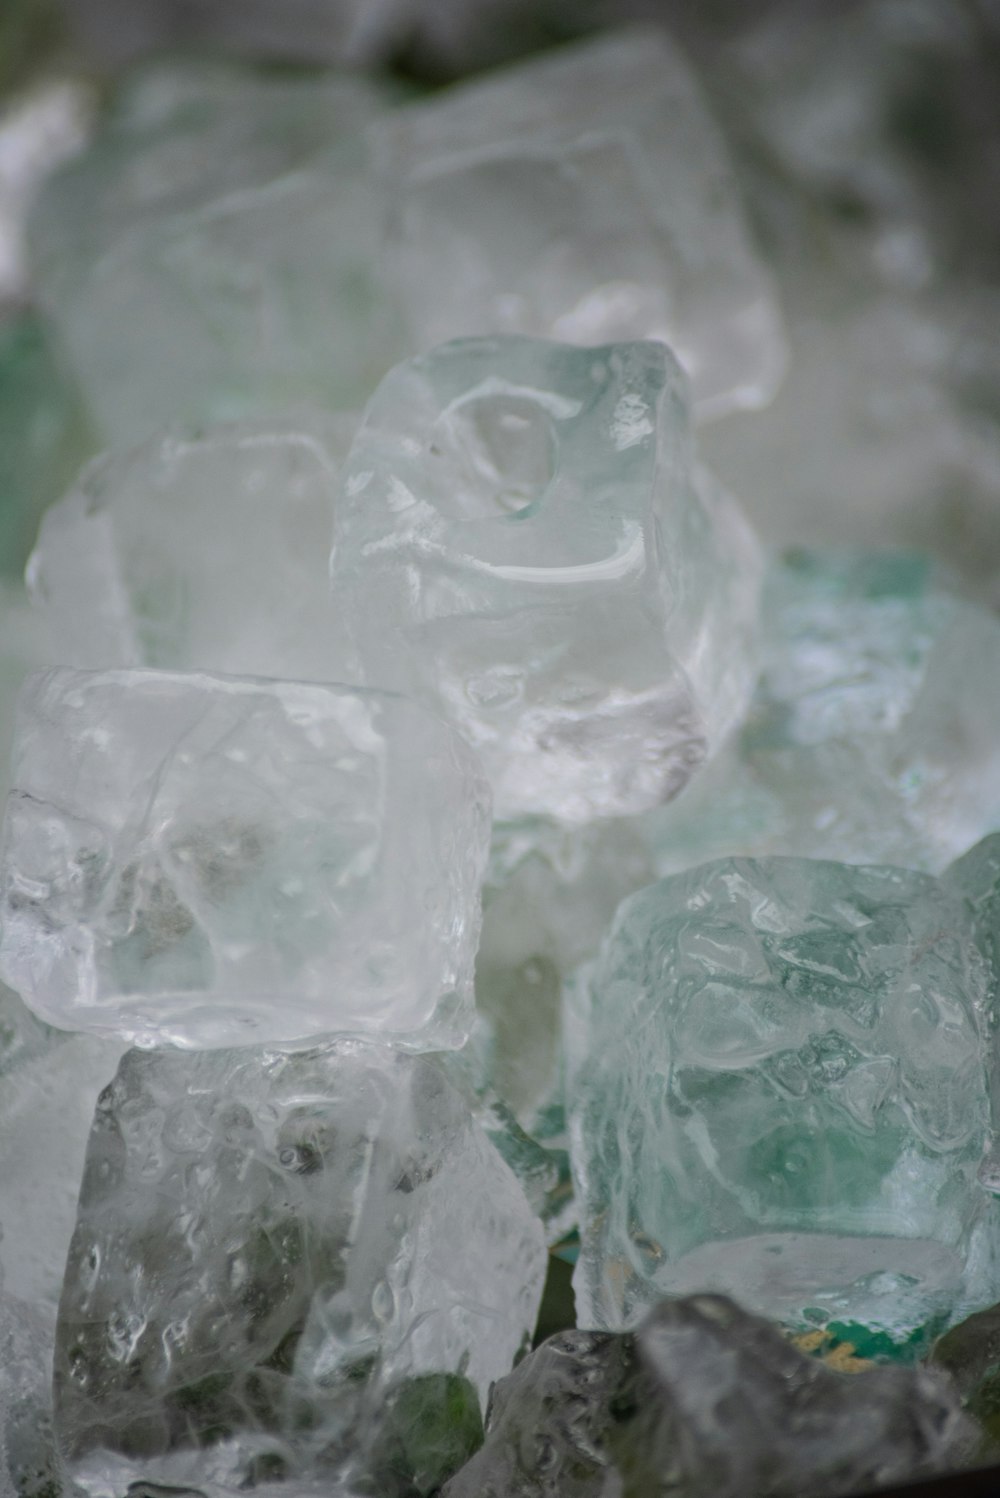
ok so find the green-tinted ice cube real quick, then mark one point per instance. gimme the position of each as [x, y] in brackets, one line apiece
[871, 737]
[780, 1089]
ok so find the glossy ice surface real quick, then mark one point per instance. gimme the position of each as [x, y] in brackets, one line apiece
[211, 861]
[266, 1246]
[201, 551]
[523, 541]
[780, 1089]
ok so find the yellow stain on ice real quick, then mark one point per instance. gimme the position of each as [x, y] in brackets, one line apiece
[841, 1357]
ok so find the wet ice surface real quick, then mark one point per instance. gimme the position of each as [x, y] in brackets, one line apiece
[524, 541]
[217, 860]
[799, 185]
[780, 1089]
[266, 1245]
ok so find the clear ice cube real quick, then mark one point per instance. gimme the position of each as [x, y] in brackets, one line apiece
[523, 541]
[219, 860]
[221, 218]
[201, 551]
[266, 1246]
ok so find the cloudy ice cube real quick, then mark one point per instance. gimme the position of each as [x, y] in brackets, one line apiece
[201, 551]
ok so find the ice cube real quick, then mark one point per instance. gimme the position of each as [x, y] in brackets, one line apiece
[266, 1246]
[220, 860]
[222, 219]
[523, 541]
[779, 1087]
[201, 551]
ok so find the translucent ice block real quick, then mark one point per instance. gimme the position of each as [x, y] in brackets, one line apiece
[221, 219]
[706, 1399]
[780, 1090]
[874, 732]
[584, 195]
[215, 861]
[266, 1246]
[201, 551]
[522, 540]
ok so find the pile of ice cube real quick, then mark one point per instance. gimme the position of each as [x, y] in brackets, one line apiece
[446, 837]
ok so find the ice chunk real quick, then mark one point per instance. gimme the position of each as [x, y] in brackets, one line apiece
[49, 1083]
[584, 195]
[266, 1246]
[702, 1399]
[215, 861]
[203, 551]
[522, 541]
[220, 218]
[549, 1422]
[870, 739]
[779, 1084]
